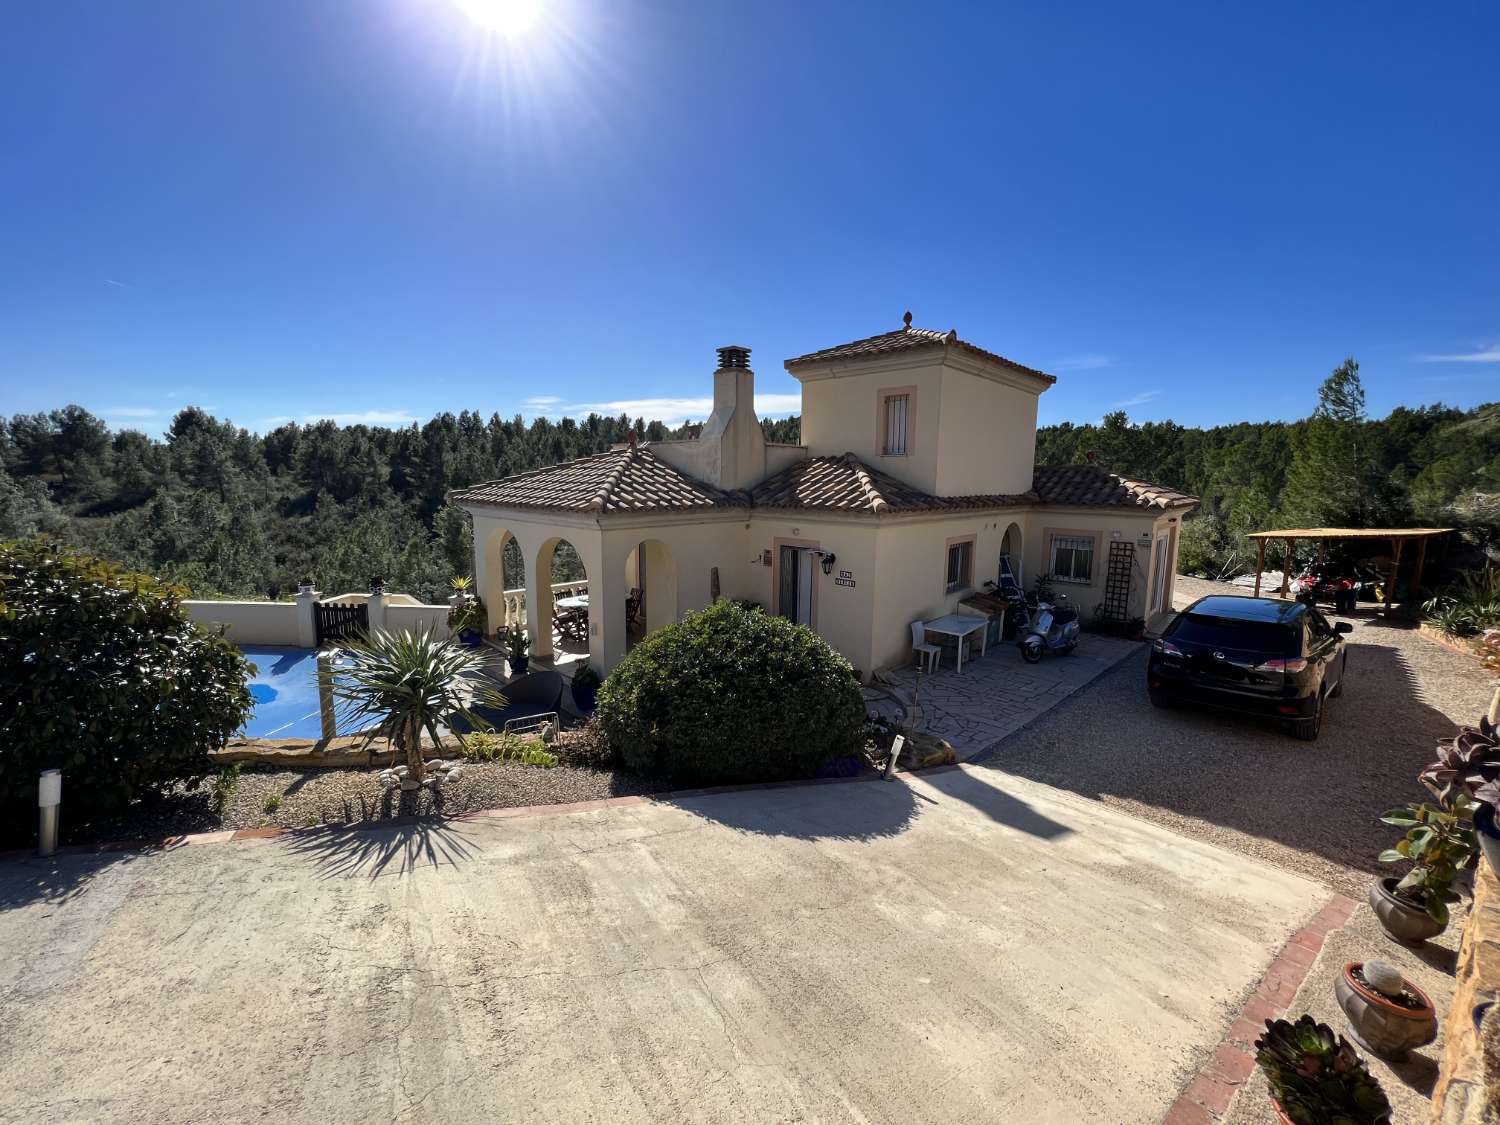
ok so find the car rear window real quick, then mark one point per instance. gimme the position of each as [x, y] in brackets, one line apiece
[1226, 632]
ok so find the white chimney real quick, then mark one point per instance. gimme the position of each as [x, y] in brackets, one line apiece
[733, 443]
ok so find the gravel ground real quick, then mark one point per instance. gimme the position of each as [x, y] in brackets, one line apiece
[1310, 807]
[336, 796]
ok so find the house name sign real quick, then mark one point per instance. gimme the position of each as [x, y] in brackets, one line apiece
[845, 578]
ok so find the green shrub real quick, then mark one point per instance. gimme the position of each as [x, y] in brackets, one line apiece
[273, 802]
[732, 695]
[526, 750]
[224, 786]
[103, 676]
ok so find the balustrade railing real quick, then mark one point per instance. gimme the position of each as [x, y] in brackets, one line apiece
[513, 602]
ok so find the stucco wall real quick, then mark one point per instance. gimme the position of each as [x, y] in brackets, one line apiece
[1105, 527]
[989, 436]
[843, 414]
[250, 623]
[416, 617]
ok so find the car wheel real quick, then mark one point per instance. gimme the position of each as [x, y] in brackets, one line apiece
[1307, 729]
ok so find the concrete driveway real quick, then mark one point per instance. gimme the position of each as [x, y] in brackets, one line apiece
[963, 947]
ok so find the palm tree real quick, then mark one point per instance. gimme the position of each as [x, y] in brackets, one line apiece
[409, 683]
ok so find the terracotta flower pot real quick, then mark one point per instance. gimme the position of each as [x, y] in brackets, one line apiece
[1379, 1024]
[1408, 924]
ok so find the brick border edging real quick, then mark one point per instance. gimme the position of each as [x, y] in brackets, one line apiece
[1207, 1096]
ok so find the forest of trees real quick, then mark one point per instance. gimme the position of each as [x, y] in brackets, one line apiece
[230, 513]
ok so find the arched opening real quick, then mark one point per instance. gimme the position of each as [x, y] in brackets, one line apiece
[651, 589]
[1010, 558]
[564, 601]
[504, 582]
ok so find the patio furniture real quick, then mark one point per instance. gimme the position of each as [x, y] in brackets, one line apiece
[960, 627]
[532, 694]
[926, 654]
[632, 605]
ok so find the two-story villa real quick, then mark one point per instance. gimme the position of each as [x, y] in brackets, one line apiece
[915, 476]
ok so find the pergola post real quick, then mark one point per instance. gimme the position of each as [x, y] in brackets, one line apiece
[1286, 570]
[1260, 563]
[1390, 587]
[1416, 582]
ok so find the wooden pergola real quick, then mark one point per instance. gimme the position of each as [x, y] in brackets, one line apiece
[1396, 535]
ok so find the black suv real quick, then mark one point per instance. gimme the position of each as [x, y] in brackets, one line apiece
[1261, 656]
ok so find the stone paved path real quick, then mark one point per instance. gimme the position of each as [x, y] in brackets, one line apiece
[999, 693]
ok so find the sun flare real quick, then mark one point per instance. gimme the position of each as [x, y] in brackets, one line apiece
[507, 17]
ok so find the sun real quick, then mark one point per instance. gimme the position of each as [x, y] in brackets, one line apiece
[507, 17]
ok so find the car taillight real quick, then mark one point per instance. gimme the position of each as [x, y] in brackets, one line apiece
[1166, 648]
[1295, 664]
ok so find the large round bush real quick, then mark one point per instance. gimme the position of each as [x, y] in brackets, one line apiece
[731, 695]
[103, 676]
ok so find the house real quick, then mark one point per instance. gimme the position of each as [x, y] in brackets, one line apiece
[915, 478]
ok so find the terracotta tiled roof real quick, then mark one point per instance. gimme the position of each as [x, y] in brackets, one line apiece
[906, 339]
[846, 484]
[1092, 486]
[628, 479]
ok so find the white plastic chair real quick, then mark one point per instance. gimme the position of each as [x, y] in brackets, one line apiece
[924, 652]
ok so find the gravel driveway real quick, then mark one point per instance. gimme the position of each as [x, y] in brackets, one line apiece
[1309, 807]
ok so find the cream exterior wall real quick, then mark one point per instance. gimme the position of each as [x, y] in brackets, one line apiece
[989, 436]
[416, 618]
[250, 623]
[1104, 524]
[841, 413]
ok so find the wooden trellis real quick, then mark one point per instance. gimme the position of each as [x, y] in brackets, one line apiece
[1117, 580]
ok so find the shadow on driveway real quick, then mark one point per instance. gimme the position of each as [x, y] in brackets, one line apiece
[56, 879]
[382, 849]
[852, 810]
[1323, 798]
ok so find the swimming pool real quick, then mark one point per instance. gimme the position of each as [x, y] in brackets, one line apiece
[285, 688]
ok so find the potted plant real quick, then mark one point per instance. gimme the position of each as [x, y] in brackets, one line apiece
[1439, 844]
[467, 619]
[585, 687]
[1388, 1015]
[517, 645]
[1316, 1078]
[1468, 765]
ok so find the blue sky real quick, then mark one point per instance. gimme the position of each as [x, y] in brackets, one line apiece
[376, 209]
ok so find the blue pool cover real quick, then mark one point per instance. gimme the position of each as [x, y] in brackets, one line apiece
[285, 687]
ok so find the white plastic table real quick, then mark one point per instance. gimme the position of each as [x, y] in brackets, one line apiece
[577, 601]
[960, 626]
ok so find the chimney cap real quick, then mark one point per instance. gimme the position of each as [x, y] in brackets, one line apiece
[733, 356]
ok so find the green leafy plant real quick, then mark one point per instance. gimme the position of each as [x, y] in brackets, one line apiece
[485, 746]
[584, 676]
[1468, 606]
[730, 694]
[518, 643]
[273, 802]
[402, 685]
[1316, 1076]
[223, 787]
[103, 676]
[461, 584]
[468, 616]
[1439, 844]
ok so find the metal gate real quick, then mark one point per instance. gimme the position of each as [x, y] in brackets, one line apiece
[334, 622]
[1117, 580]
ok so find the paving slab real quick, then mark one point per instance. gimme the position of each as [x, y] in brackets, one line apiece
[960, 946]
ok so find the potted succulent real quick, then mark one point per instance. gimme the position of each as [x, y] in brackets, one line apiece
[585, 687]
[1439, 844]
[1316, 1078]
[1468, 765]
[517, 645]
[1388, 1015]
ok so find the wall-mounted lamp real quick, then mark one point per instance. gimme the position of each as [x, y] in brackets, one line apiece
[829, 558]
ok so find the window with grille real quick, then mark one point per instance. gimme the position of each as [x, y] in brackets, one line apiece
[1072, 558]
[960, 565]
[897, 413]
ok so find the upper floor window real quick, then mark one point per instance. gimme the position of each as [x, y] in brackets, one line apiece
[960, 565]
[897, 417]
[1073, 558]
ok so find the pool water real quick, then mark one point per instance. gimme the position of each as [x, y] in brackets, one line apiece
[285, 688]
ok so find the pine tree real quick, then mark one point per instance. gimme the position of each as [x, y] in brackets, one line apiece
[1332, 480]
